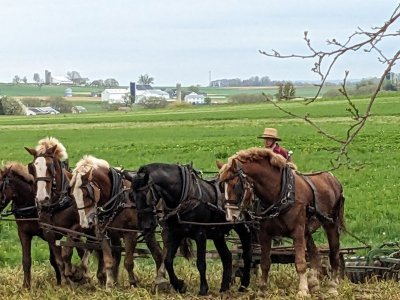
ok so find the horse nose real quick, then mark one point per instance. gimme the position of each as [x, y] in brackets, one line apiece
[47, 198]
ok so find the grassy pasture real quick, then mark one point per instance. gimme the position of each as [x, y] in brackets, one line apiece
[201, 135]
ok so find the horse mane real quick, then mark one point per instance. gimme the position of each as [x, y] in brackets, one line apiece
[87, 163]
[256, 154]
[20, 169]
[48, 142]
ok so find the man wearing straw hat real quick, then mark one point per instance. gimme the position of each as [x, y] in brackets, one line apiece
[270, 137]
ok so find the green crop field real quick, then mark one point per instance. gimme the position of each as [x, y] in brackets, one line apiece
[201, 135]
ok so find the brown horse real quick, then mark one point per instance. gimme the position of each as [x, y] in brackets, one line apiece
[55, 206]
[104, 201]
[291, 205]
[17, 186]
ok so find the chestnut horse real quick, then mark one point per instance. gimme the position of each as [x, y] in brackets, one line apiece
[104, 201]
[292, 205]
[55, 206]
[17, 186]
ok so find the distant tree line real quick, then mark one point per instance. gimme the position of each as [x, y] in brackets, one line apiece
[252, 81]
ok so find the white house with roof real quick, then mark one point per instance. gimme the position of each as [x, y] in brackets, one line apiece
[194, 98]
[114, 95]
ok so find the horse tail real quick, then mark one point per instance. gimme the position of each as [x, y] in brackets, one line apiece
[340, 209]
[186, 248]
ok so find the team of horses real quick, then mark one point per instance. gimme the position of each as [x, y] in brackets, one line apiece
[98, 206]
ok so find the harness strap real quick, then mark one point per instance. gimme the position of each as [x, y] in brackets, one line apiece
[287, 196]
[313, 209]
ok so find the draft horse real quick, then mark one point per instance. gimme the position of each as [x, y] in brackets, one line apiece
[104, 201]
[17, 187]
[291, 205]
[188, 203]
[55, 206]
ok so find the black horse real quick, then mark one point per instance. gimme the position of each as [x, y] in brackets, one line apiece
[191, 208]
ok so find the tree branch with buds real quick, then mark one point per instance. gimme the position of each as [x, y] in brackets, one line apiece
[324, 62]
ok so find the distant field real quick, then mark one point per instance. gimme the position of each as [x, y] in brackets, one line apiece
[45, 91]
[201, 135]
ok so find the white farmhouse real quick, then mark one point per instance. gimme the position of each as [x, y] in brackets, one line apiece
[114, 95]
[194, 98]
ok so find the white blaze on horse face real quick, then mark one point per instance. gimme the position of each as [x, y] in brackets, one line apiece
[78, 195]
[41, 168]
[232, 211]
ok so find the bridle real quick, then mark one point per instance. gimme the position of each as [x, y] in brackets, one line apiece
[151, 201]
[93, 192]
[5, 181]
[244, 187]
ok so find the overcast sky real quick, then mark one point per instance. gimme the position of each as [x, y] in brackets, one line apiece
[181, 40]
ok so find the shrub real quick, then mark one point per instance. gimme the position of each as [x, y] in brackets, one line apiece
[60, 104]
[10, 106]
[332, 93]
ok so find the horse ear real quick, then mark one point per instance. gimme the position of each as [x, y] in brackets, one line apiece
[219, 163]
[140, 180]
[51, 150]
[31, 151]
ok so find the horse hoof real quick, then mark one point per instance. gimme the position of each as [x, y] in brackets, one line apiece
[303, 294]
[332, 292]
[181, 286]
[223, 289]
[162, 286]
[242, 289]
[203, 292]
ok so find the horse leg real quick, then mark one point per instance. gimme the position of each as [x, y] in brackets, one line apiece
[299, 243]
[100, 274]
[226, 258]
[108, 261]
[160, 282]
[172, 247]
[247, 254]
[332, 233]
[54, 264]
[26, 242]
[314, 257]
[130, 240]
[265, 243]
[66, 254]
[84, 265]
[57, 252]
[201, 243]
[116, 254]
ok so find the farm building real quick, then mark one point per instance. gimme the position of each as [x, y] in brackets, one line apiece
[144, 91]
[114, 95]
[47, 110]
[60, 80]
[194, 98]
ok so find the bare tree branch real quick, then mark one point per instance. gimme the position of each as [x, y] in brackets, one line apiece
[323, 65]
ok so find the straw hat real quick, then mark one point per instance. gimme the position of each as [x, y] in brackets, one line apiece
[270, 133]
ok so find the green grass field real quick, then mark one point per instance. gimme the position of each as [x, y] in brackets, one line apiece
[203, 134]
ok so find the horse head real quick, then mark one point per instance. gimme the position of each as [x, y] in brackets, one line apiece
[47, 169]
[238, 189]
[86, 187]
[143, 193]
[14, 180]
[6, 192]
